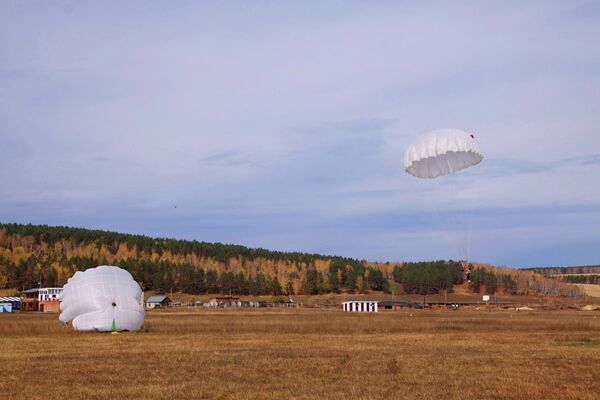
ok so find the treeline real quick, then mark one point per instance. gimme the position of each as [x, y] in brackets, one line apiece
[589, 279]
[491, 282]
[164, 276]
[220, 252]
[581, 269]
[348, 278]
[33, 255]
[429, 277]
[438, 276]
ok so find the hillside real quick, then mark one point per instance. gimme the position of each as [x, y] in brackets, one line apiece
[576, 270]
[585, 277]
[585, 274]
[33, 253]
[37, 254]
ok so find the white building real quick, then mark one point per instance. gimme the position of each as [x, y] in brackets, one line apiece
[158, 302]
[360, 306]
[41, 299]
[49, 294]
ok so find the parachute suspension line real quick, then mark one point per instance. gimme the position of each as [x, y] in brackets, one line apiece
[449, 165]
[456, 228]
[463, 220]
[445, 210]
[460, 229]
[450, 228]
[474, 202]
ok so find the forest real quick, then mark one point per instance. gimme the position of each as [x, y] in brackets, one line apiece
[33, 255]
[580, 269]
[588, 279]
[437, 276]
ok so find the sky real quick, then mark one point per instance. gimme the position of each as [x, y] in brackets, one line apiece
[283, 125]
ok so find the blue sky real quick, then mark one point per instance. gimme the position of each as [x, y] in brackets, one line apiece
[283, 124]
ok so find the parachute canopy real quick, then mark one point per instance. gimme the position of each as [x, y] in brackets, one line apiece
[93, 299]
[441, 152]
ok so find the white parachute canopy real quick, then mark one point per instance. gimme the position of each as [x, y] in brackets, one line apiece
[441, 152]
[93, 299]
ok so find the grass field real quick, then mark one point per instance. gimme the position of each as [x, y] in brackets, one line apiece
[307, 354]
[590, 290]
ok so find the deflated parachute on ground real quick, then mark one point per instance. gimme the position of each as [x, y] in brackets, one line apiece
[97, 297]
[441, 152]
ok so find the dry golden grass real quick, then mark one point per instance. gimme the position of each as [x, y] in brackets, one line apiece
[590, 290]
[308, 354]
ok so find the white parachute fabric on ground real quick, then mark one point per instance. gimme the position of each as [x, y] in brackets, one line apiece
[94, 298]
[441, 152]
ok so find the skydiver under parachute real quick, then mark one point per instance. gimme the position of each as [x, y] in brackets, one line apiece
[440, 153]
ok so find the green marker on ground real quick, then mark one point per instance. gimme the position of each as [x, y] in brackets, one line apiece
[113, 328]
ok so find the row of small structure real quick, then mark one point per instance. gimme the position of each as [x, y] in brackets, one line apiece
[46, 300]
[37, 299]
[216, 302]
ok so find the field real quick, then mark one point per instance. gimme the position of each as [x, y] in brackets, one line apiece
[590, 290]
[307, 354]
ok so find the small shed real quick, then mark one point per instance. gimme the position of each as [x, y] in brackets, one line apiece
[6, 307]
[15, 302]
[157, 301]
[360, 306]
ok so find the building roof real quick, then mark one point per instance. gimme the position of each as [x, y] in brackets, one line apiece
[36, 290]
[360, 301]
[9, 299]
[156, 299]
[392, 303]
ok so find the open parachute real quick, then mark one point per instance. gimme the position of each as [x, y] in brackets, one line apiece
[441, 152]
[104, 298]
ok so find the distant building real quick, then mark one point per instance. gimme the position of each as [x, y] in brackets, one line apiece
[290, 303]
[9, 304]
[157, 302]
[48, 298]
[225, 302]
[41, 299]
[29, 300]
[394, 304]
[360, 306]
